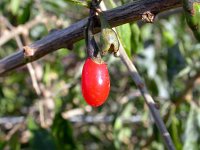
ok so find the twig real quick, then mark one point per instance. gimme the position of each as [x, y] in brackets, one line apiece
[32, 75]
[14, 130]
[10, 27]
[34, 79]
[148, 98]
[81, 118]
[127, 13]
[189, 84]
[29, 66]
[12, 120]
[41, 113]
[104, 119]
[8, 35]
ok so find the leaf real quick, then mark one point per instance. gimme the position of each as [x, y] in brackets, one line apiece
[175, 62]
[14, 5]
[31, 124]
[151, 83]
[175, 126]
[14, 142]
[2, 144]
[136, 39]
[41, 140]
[168, 37]
[78, 2]
[124, 134]
[124, 32]
[198, 117]
[54, 6]
[25, 13]
[10, 94]
[47, 71]
[63, 133]
[192, 136]
[118, 124]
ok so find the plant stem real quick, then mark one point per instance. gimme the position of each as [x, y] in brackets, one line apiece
[88, 39]
[147, 97]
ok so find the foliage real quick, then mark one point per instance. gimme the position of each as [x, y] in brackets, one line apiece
[165, 53]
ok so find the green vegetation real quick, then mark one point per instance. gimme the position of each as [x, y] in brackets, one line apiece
[52, 114]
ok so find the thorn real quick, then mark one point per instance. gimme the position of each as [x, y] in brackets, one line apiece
[147, 16]
[28, 51]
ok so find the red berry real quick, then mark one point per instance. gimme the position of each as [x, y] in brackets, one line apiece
[95, 82]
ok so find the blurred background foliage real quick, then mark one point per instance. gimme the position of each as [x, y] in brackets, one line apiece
[41, 106]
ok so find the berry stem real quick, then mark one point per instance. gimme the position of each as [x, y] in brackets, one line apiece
[88, 39]
[92, 49]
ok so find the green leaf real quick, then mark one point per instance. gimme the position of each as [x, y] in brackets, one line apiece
[47, 71]
[14, 142]
[151, 83]
[25, 13]
[78, 2]
[124, 32]
[110, 4]
[14, 5]
[63, 133]
[198, 117]
[31, 124]
[175, 126]
[175, 62]
[192, 136]
[41, 140]
[55, 7]
[118, 124]
[124, 133]
[136, 39]
[8, 93]
[2, 144]
[168, 37]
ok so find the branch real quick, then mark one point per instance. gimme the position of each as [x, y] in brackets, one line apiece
[20, 45]
[8, 35]
[79, 118]
[62, 38]
[148, 98]
[189, 84]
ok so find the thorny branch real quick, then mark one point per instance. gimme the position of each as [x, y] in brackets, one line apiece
[63, 38]
[20, 45]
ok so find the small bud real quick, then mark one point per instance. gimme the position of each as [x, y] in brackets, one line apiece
[108, 37]
[108, 41]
